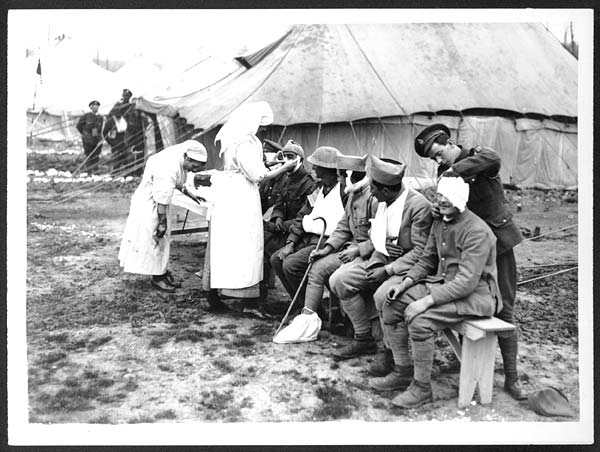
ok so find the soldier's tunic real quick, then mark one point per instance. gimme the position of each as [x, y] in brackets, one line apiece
[480, 168]
[90, 128]
[291, 196]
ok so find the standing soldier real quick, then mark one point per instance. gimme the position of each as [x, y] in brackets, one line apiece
[90, 128]
[480, 168]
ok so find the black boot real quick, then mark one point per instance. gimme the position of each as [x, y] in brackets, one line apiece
[508, 349]
[361, 345]
[214, 302]
[399, 378]
[171, 280]
[160, 282]
[383, 364]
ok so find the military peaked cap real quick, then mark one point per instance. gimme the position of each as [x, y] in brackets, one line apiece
[424, 140]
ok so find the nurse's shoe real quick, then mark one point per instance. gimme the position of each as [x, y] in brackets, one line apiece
[168, 276]
[162, 285]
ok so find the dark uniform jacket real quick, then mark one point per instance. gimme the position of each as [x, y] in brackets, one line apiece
[295, 188]
[354, 226]
[269, 190]
[297, 235]
[412, 236]
[480, 168]
[90, 128]
[462, 256]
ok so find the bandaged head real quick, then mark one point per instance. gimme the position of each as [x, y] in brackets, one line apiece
[456, 190]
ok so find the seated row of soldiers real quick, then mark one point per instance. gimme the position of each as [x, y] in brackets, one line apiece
[387, 253]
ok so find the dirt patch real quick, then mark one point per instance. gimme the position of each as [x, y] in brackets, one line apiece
[104, 348]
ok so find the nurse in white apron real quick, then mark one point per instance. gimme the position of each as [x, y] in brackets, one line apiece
[146, 239]
[236, 227]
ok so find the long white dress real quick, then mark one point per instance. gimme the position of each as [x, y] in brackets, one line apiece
[236, 228]
[139, 253]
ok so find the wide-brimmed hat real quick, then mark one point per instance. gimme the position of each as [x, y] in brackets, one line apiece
[385, 173]
[351, 162]
[424, 140]
[324, 156]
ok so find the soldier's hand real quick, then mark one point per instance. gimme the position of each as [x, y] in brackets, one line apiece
[349, 254]
[285, 251]
[269, 226]
[278, 224]
[376, 275]
[417, 307]
[435, 211]
[394, 251]
[318, 254]
[397, 290]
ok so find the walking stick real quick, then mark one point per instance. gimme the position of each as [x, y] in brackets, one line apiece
[303, 278]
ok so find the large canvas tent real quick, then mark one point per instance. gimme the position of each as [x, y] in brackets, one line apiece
[371, 88]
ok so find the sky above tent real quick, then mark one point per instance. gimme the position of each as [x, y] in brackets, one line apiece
[168, 35]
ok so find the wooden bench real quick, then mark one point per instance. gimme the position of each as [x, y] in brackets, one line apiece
[477, 355]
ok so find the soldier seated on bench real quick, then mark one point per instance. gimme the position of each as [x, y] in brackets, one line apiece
[454, 279]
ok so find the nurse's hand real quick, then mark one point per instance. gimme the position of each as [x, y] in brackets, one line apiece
[160, 230]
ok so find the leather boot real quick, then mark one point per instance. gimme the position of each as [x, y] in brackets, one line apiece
[361, 345]
[160, 283]
[214, 302]
[383, 364]
[417, 394]
[508, 349]
[399, 378]
[171, 280]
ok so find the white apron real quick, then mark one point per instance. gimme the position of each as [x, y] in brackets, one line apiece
[139, 253]
[236, 232]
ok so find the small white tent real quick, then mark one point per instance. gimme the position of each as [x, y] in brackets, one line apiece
[62, 83]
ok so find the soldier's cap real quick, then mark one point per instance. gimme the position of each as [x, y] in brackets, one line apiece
[195, 150]
[94, 102]
[351, 162]
[126, 92]
[550, 402]
[272, 144]
[324, 156]
[292, 146]
[385, 173]
[424, 140]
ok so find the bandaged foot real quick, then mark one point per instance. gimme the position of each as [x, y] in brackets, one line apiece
[304, 328]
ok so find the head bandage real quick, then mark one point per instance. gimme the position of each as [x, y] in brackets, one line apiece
[456, 190]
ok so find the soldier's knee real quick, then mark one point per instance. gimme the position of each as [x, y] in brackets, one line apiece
[380, 297]
[420, 329]
[389, 315]
[275, 262]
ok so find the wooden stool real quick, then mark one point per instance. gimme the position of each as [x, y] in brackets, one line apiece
[477, 355]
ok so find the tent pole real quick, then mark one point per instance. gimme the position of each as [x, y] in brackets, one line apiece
[318, 135]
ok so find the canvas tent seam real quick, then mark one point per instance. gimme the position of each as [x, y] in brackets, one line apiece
[375, 71]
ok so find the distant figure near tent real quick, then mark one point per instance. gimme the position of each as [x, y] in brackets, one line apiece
[146, 240]
[114, 132]
[90, 128]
